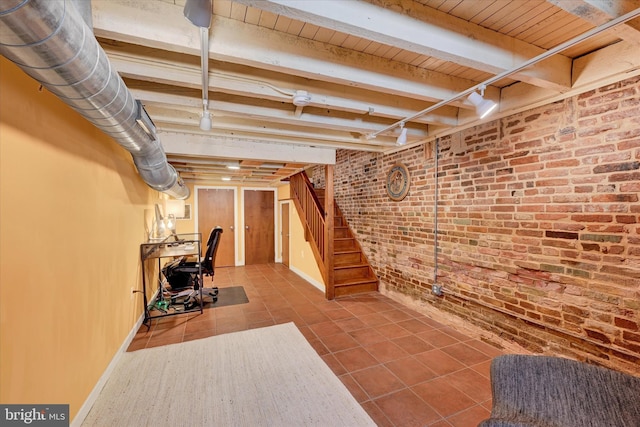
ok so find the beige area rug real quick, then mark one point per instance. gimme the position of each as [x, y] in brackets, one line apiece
[260, 377]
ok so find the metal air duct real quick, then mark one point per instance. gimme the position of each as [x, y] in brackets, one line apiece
[50, 41]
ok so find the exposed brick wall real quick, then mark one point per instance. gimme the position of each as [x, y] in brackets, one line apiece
[538, 225]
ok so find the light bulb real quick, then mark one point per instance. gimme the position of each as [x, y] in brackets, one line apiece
[171, 223]
[205, 120]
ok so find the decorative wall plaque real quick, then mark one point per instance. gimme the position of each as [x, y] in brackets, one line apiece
[398, 180]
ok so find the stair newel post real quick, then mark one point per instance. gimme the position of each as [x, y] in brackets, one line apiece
[329, 210]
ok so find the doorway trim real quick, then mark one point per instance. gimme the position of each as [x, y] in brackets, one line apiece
[281, 236]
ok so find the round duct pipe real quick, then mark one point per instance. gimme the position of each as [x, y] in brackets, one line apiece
[50, 41]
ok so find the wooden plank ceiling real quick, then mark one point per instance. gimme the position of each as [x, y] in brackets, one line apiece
[366, 66]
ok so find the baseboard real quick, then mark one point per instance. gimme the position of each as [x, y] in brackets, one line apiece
[314, 282]
[86, 407]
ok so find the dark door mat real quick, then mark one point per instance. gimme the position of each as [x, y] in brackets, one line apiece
[226, 296]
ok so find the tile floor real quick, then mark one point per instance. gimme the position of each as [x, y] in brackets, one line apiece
[403, 368]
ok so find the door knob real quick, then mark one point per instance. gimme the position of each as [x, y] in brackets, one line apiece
[231, 227]
[246, 227]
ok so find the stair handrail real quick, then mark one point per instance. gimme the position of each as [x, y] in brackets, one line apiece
[311, 190]
[312, 213]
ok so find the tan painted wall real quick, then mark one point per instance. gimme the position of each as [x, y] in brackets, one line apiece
[72, 212]
[284, 192]
[301, 257]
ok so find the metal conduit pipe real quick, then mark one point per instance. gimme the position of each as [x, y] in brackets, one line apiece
[436, 288]
[51, 42]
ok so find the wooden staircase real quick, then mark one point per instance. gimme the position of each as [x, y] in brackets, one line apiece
[352, 273]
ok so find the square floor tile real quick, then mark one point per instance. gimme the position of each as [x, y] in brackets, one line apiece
[465, 354]
[443, 397]
[355, 359]
[386, 351]
[410, 370]
[377, 381]
[412, 344]
[471, 383]
[367, 336]
[338, 342]
[405, 408]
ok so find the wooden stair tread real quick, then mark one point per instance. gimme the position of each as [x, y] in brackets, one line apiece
[355, 265]
[356, 281]
[348, 256]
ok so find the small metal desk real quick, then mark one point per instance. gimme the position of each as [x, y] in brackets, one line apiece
[177, 245]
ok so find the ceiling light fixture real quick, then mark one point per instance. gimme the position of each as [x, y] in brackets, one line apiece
[483, 106]
[301, 98]
[402, 138]
[198, 12]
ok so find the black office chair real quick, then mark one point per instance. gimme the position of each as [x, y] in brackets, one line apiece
[184, 273]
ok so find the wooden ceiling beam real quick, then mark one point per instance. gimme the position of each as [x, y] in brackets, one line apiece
[598, 12]
[202, 145]
[265, 118]
[323, 95]
[411, 26]
[161, 25]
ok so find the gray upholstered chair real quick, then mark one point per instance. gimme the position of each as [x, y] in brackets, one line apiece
[542, 391]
